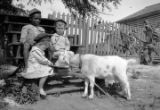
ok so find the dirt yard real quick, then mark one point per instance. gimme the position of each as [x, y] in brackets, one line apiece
[145, 90]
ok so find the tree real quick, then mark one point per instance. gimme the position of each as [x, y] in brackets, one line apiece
[81, 7]
[88, 7]
[6, 7]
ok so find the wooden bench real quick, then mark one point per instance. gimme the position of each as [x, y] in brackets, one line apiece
[12, 26]
[156, 60]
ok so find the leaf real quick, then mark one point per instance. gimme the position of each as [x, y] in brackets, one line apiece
[24, 90]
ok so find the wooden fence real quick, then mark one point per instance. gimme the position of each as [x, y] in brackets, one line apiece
[102, 38]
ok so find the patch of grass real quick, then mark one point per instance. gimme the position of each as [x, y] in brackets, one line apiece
[21, 93]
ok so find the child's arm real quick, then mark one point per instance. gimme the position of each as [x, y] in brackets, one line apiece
[26, 46]
[41, 29]
[24, 33]
[41, 58]
[67, 43]
[52, 43]
[53, 39]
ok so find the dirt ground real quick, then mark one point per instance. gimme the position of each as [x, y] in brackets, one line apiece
[145, 90]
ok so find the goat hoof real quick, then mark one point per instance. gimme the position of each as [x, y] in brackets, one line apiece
[90, 97]
[128, 98]
[84, 96]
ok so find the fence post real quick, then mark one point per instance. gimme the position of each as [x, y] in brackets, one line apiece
[87, 34]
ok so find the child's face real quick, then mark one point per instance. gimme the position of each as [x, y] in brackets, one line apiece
[35, 19]
[60, 28]
[46, 44]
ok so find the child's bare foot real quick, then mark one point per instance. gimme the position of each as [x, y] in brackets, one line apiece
[42, 92]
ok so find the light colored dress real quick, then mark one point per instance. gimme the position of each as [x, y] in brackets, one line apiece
[60, 45]
[60, 42]
[38, 65]
[29, 32]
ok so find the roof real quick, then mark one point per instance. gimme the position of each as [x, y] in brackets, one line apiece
[147, 11]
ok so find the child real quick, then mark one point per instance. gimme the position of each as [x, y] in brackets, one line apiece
[29, 32]
[38, 64]
[60, 43]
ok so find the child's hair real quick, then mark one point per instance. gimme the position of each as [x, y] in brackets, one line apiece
[34, 11]
[42, 37]
[62, 23]
[43, 42]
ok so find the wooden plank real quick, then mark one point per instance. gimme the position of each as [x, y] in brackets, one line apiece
[66, 89]
[98, 38]
[104, 34]
[127, 31]
[19, 23]
[121, 30]
[72, 23]
[102, 37]
[63, 16]
[18, 54]
[111, 38]
[15, 43]
[84, 33]
[58, 15]
[116, 39]
[67, 20]
[76, 42]
[92, 35]
[79, 22]
[107, 38]
[87, 34]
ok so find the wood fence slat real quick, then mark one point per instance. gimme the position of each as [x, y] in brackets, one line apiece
[92, 35]
[67, 20]
[103, 35]
[118, 39]
[99, 38]
[75, 31]
[63, 16]
[87, 35]
[80, 30]
[111, 38]
[71, 27]
[115, 37]
[95, 37]
[58, 15]
[108, 38]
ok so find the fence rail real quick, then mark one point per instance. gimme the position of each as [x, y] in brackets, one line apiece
[103, 38]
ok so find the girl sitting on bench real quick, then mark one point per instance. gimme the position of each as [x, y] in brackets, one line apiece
[38, 65]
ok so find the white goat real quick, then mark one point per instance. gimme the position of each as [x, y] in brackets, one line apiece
[93, 66]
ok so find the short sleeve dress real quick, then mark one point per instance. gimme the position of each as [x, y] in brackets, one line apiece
[29, 32]
[37, 65]
[60, 42]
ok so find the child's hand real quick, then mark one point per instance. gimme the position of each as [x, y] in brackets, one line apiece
[50, 64]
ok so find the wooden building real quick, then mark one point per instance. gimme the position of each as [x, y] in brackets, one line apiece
[151, 13]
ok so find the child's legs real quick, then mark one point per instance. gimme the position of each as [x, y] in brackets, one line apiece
[26, 49]
[41, 85]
